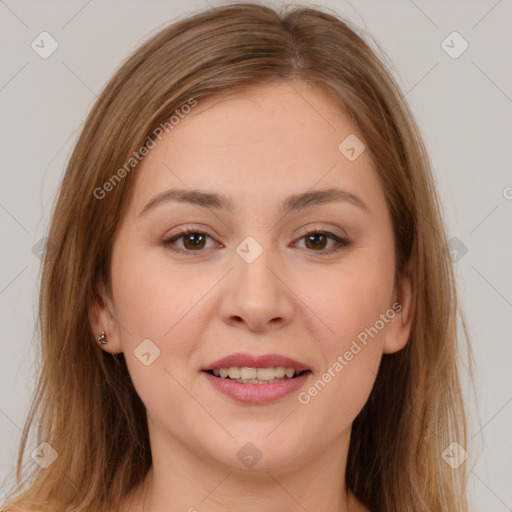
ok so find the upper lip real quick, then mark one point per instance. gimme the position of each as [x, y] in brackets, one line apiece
[242, 359]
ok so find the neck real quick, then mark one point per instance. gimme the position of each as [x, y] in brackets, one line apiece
[181, 480]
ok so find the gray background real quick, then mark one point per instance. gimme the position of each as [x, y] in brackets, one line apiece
[462, 106]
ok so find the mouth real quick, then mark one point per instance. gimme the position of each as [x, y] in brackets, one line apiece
[256, 379]
[265, 375]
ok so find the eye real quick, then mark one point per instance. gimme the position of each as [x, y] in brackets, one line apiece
[317, 240]
[193, 241]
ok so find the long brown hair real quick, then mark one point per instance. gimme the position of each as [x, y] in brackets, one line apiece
[85, 405]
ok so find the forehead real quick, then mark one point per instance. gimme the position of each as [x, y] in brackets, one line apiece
[263, 141]
[297, 112]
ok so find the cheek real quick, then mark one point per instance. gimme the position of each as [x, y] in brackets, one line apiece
[348, 304]
[350, 355]
[168, 308]
[347, 300]
[154, 298]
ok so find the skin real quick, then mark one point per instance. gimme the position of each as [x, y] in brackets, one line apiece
[257, 148]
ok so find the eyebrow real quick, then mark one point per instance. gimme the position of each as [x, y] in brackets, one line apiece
[220, 202]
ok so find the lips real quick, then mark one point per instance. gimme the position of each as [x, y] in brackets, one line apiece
[258, 394]
[242, 359]
[256, 391]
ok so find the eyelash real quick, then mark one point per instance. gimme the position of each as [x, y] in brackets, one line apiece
[342, 242]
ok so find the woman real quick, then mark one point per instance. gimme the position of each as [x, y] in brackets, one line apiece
[249, 302]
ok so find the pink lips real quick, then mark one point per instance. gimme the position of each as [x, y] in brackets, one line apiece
[257, 393]
[265, 361]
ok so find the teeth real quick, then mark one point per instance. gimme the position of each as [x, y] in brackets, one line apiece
[267, 373]
[248, 373]
[254, 375]
[280, 372]
[234, 372]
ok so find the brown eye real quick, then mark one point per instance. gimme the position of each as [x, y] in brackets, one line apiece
[316, 241]
[193, 241]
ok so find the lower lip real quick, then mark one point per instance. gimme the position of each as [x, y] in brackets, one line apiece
[257, 393]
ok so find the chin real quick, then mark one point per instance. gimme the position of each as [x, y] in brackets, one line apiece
[255, 453]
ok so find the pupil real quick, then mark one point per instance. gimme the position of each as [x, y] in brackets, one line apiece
[314, 237]
[195, 243]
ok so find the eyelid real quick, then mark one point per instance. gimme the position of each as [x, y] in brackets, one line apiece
[342, 241]
[183, 231]
[322, 228]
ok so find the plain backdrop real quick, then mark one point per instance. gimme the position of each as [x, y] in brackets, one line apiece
[463, 106]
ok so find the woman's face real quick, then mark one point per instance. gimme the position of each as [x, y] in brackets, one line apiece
[250, 175]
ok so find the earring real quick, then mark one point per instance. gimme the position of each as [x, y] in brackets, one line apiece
[102, 339]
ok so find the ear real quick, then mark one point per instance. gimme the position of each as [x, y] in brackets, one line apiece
[399, 328]
[102, 318]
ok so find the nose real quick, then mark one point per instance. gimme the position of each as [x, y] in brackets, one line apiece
[257, 296]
